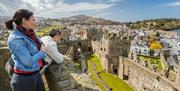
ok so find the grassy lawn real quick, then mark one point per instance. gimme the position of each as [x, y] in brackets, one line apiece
[115, 82]
[152, 60]
[45, 31]
[111, 80]
[90, 70]
[94, 58]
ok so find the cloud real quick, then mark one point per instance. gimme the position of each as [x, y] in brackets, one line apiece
[114, 1]
[109, 1]
[51, 8]
[78, 8]
[3, 8]
[173, 4]
[83, 6]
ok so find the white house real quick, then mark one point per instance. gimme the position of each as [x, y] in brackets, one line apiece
[139, 49]
[142, 33]
[134, 49]
[145, 50]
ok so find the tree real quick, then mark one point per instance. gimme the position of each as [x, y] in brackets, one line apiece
[155, 45]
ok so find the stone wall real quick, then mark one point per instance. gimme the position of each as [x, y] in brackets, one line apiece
[97, 50]
[107, 62]
[60, 77]
[66, 77]
[116, 44]
[70, 53]
[141, 78]
[83, 44]
[62, 48]
[4, 78]
[109, 49]
[178, 79]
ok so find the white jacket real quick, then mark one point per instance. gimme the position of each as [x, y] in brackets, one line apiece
[52, 51]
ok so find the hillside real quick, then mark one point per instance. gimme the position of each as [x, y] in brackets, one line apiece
[165, 24]
[87, 20]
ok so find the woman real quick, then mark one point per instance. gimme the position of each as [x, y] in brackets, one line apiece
[26, 52]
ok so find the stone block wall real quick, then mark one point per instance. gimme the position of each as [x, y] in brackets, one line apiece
[60, 77]
[141, 78]
[4, 78]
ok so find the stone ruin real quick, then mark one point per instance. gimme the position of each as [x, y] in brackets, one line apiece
[62, 77]
[144, 79]
[141, 75]
[110, 47]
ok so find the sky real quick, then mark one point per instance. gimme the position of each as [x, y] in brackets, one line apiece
[117, 10]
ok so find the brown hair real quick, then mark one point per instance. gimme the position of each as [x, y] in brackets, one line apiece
[54, 32]
[17, 18]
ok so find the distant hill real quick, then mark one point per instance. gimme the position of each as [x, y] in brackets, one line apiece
[165, 24]
[87, 20]
[78, 19]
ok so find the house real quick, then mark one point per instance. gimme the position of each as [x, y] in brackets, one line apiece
[157, 52]
[139, 49]
[134, 49]
[144, 50]
[142, 33]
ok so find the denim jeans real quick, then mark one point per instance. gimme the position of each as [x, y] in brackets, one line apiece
[32, 82]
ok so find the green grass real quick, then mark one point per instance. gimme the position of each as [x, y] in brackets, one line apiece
[90, 70]
[159, 66]
[152, 60]
[111, 80]
[115, 82]
[41, 33]
[94, 58]
[45, 31]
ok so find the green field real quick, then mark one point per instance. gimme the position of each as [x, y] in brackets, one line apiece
[152, 60]
[45, 31]
[113, 81]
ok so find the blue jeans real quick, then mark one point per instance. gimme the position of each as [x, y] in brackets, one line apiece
[32, 82]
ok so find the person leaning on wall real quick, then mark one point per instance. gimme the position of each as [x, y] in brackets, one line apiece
[27, 52]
